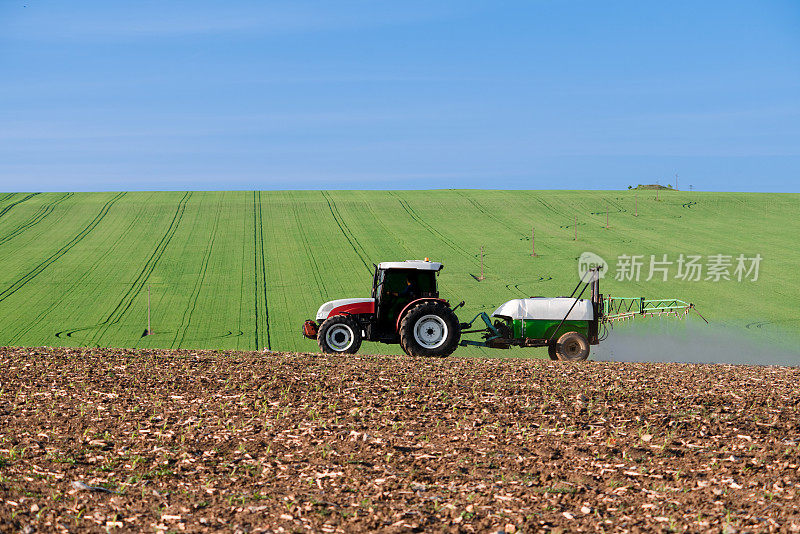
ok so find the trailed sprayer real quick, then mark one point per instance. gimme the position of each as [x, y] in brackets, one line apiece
[567, 326]
[405, 308]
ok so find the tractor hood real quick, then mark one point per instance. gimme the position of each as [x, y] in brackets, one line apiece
[345, 306]
[546, 308]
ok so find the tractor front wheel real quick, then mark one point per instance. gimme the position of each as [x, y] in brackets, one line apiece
[339, 335]
[572, 346]
[430, 329]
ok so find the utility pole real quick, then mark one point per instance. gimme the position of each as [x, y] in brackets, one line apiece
[676, 181]
[576, 228]
[533, 241]
[481, 277]
[606, 216]
[636, 205]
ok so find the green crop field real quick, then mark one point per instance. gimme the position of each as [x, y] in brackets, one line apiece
[243, 269]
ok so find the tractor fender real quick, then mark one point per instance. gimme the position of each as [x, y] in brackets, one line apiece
[345, 307]
[414, 303]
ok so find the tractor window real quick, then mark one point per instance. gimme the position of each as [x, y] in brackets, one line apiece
[396, 282]
[393, 281]
[427, 283]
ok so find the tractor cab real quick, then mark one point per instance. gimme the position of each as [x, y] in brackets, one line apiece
[395, 285]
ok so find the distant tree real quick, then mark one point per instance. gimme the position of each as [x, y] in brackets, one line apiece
[630, 187]
[669, 186]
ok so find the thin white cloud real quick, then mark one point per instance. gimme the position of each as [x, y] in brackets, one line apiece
[130, 20]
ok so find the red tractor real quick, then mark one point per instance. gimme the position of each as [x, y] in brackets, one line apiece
[404, 308]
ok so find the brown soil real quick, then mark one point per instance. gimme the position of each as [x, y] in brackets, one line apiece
[250, 442]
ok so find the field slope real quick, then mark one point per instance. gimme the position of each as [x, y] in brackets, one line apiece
[242, 270]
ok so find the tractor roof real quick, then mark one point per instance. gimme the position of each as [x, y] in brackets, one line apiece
[422, 265]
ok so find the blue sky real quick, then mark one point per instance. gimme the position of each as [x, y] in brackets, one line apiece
[399, 95]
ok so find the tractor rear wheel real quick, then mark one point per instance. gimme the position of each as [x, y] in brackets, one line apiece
[572, 346]
[430, 329]
[339, 334]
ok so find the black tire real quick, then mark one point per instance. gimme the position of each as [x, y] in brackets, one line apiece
[551, 350]
[572, 346]
[430, 329]
[339, 334]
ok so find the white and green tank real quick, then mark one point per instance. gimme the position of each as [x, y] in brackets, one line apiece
[538, 317]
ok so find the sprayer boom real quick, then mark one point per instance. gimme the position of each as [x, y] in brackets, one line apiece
[622, 308]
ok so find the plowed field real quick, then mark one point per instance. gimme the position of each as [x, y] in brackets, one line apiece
[120, 440]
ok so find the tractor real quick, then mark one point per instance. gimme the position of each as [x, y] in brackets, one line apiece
[404, 308]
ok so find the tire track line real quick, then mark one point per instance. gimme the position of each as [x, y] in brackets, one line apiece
[348, 234]
[78, 283]
[198, 285]
[20, 201]
[36, 271]
[127, 300]
[309, 252]
[242, 280]
[386, 231]
[263, 271]
[491, 215]
[436, 233]
[255, 263]
[43, 212]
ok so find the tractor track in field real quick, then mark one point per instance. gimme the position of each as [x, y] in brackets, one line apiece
[258, 254]
[776, 324]
[6, 197]
[130, 295]
[99, 260]
[346, 231]
[478, 206]
[198, 285]
[515, 287]
[618, 210]
[315, 271]
[35, 219]
[385, 230]
[548, 206]
[18, 202]
[36, 271]
[255, 267]
[436, 233]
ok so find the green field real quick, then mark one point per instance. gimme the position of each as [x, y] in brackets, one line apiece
[243, 269]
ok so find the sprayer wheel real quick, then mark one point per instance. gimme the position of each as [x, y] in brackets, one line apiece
[572, 346]
[551, 350]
